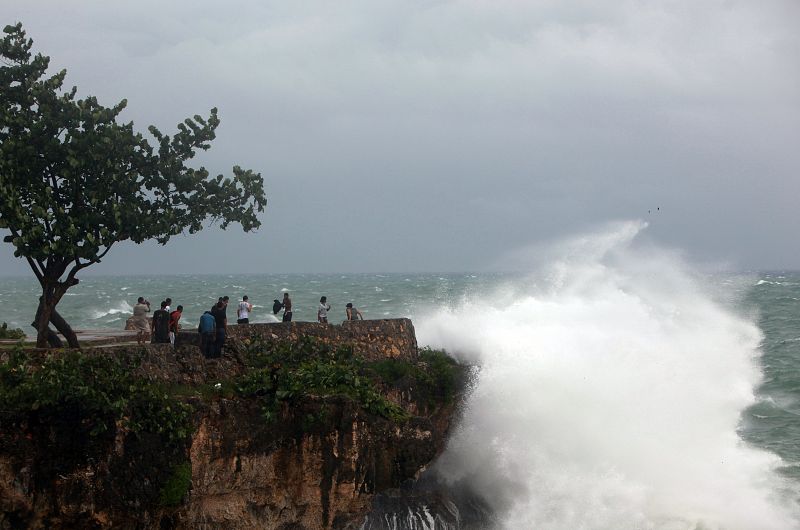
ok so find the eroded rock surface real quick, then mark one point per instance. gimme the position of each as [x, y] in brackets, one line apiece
[317, 466]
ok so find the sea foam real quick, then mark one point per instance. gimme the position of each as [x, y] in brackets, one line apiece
[609, 394]
[120, 309]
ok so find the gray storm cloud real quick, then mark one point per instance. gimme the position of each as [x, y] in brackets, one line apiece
[398, 136]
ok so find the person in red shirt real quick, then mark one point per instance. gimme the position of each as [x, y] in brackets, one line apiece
[174, 317]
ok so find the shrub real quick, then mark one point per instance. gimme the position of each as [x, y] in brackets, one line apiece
[289, 371]
[177, 485]
[99, 387]
[436, 375]
[11, 333]
[445, 373]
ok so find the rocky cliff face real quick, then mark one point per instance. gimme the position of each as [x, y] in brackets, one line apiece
[298, 475]
[314, 461]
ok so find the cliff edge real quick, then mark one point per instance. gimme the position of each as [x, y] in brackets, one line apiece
[287, 430]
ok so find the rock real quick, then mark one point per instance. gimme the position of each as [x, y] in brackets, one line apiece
[245, 473]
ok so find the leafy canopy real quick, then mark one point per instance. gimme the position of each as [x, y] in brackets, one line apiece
[74, 181]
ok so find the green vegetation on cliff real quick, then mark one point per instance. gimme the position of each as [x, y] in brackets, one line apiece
[289, 371]
[177, 485]
[437, 377]
[65, 412]
[99, 391]
[114, 429]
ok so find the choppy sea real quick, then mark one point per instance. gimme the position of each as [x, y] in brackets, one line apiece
[617, 387]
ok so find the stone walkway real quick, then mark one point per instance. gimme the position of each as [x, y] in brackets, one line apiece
[87, 337]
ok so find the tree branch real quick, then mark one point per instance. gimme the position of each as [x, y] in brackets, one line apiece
[71, 280]
[36, 271]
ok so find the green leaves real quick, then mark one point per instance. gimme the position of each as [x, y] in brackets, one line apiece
[74, 180]
[290, 371]
[10, 333]
[177, 485]
[101, 388]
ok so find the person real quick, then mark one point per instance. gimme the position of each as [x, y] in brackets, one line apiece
[353, 313]
[221, 321]
[174, 318]
[169, 305]
[276, 306]
[322, 312]
[223, 299]
[215, 304]
[140, 323]
[287, 308]
[243, 313]
[207, 330]
[160, 325]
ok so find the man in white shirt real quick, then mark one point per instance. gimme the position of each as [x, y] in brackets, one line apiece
[243, 313]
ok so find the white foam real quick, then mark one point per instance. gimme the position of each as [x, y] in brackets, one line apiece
[120, 308]
[609, 398]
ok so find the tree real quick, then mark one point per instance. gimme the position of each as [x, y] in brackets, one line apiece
[74, 181]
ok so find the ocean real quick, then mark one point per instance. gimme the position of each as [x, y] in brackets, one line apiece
[616, 386]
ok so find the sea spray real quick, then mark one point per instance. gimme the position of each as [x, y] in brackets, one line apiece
[610, 391]
[118, 311]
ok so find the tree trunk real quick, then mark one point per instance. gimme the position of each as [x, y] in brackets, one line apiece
[64, 328]
[44, 335]
[52, 337]
[46, 313]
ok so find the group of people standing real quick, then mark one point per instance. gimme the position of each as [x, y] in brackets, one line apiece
[213, 323]
[213, 327]
[322, 310]
[162, 327]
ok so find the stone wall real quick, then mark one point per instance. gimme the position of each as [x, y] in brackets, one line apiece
[370, 339]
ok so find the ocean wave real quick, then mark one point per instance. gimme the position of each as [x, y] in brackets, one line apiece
[121, 308]
[604, 393]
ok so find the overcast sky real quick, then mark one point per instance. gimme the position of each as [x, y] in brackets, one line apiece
[443, 136]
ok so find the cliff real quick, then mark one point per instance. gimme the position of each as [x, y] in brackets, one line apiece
[284, 431]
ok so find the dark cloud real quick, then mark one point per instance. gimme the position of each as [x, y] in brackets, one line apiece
[441, 135]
